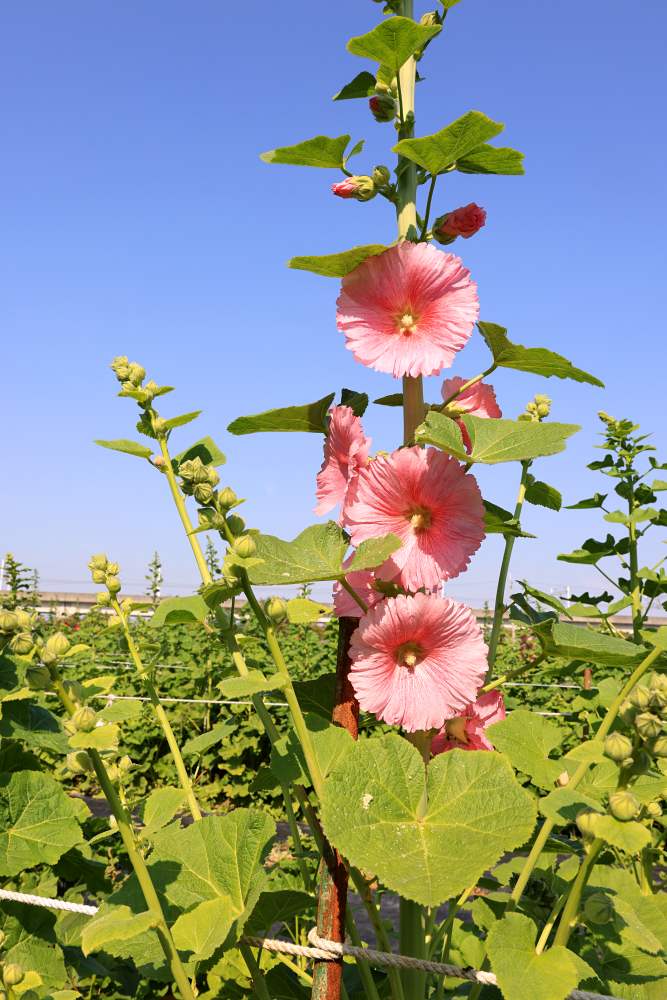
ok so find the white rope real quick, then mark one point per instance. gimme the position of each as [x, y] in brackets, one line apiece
[319, 948]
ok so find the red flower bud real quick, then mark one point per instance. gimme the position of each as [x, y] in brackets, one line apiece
[465, 222]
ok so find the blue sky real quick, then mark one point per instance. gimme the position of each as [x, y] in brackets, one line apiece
[137, 219]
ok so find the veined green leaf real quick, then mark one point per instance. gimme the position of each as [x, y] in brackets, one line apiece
[477, 811]
[498, 521]
[200, 744]
[357, 401]
[160, 808]
[488, 159]
[180, 610]
[38, 822]
[536, 360]
[591, 551]
[302, 611]
[316, 554]
[127, 447]
[310, 417]
[277, 906]
[392, 42]
[182, 420]
[337, 265]
[373, 552]
[528, 739]
[321, 151]
[574, 642]
[206, 449]
[363, 85]
[254, 682]
[543, 495]
[443, 149]
[590, 503]
[494, 441]
[109, 929]
[393, 399]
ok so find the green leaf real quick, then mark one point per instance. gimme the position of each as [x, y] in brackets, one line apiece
[30, 942]
[278, 907]
[322, 151]
[537, 360]
[100, 738]
[182, 420]
[357, 401]
[254, 682]
[127, 447]
[657, 638]
[316, 554]
[121, 711]
[494, 441]
[498, 521]
[310, 417]
[392, 42]
[373, 552]
[574, 642]
[393, 399]
[523, 975]
[337, 265]
[107, 930]
[591, 551]
[331, 744]
[199, 744]
[476, 812]
[38, 822]
[589, 503]
[543, 495]
[317, 695]
[202, 929]
[443, 149]
[491, 160]
[302, 611]
[34, 726]
[562, 806]
[160, 808]
[363, 85]
[180, 610]
[630, 837]
[645, 917]
[528, 739]
[206, 449]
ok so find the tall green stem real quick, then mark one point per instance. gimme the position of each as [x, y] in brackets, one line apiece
[573, 902]
[160, 714]
[179, 500]
[136, 858]
[259, 986]
[499, 606]
[635, 585]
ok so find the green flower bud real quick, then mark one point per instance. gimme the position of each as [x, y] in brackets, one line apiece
[627, 713]
[136, 374]
[79, 762]
[654, 810]
[586, 821]
[624, 806]
[658, 682]
[98, 562]
[203, 493]
[543, 409]
[98, 575]
[113, 584]
[25, 621]
[598, 909]
[430, 19]
[639, 697]
[381, 176]
[8, 621]
[13, 974]
[276, 609]
[55, 647]
[84, 719]
[21, 644]
[659, 747]
[382, 106]
[648, 725]
[103, 599]
[235, 524]
[617, 747]
[113, 569]
[245, 546]
[227, 498]
[657, 698]
[38, 677]
[121, 367]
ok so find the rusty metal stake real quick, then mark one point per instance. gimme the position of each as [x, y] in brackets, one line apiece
[333, 876]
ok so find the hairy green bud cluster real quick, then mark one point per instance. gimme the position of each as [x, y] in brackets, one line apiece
[586, 820]
[236, 524]
[103, 571]
[130, 374]
[648, 726]
[198, 480]
[537, 409]
[21, 643]
[624, 806]
[55, 648]
[227, 499]
[245, 546]
[618, 747]
[84, 720]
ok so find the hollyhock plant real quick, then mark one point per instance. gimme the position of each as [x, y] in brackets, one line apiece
[478, 399]
[408, 310]
[464, 221]
[426, 498]
[346, 450]
[468, 730]
[417, 661]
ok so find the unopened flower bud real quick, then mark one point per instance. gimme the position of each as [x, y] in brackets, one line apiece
[84, 719]
[276, 609]
[79, 762]
[654, 810]
[659, 747]
[464, 221]
[381, 176]
[113, 584]
[113, 569]
[624, 806]
[617, 747]
[25, 621]
[235, 524]
[227, 498]
[657, 699]
[8, 621]
[55, 647]
[543, 409]
[598, 908]
[639, 697]
[648, 725]
[98, 562]
[430, 19]
[98, 575]
[12, 974]
[586, 821]
[203, 493]
[103, 599]
[21, 644]
[158, 462]
[159, 426]
[627, 713]
[38, 677]
[121, 367]
[383, 107]
[245, 546]
[136, 373]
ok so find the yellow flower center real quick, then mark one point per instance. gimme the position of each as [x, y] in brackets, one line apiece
[420, 519]
[407, 323]
[456, 729]
[409, 654]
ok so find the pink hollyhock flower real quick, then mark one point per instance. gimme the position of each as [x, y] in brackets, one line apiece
[346, 188]
[479, 399]
[346, 450]
[464, 221]
[426, 498]
[467, 731]
[408, 310]
[417, 661]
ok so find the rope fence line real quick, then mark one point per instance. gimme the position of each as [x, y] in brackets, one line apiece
[318, 948]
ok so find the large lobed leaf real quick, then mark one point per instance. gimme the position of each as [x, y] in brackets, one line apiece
[494, 441]
[537, 360]
[392, 42]
[443, 149]
[321, 151]
[309, 417]
[528, 739]
[337, 265]
[38, 822]
[476, 812]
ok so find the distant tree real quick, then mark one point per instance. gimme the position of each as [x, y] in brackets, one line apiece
[212, 559]
[154, 578]
[17, 583]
